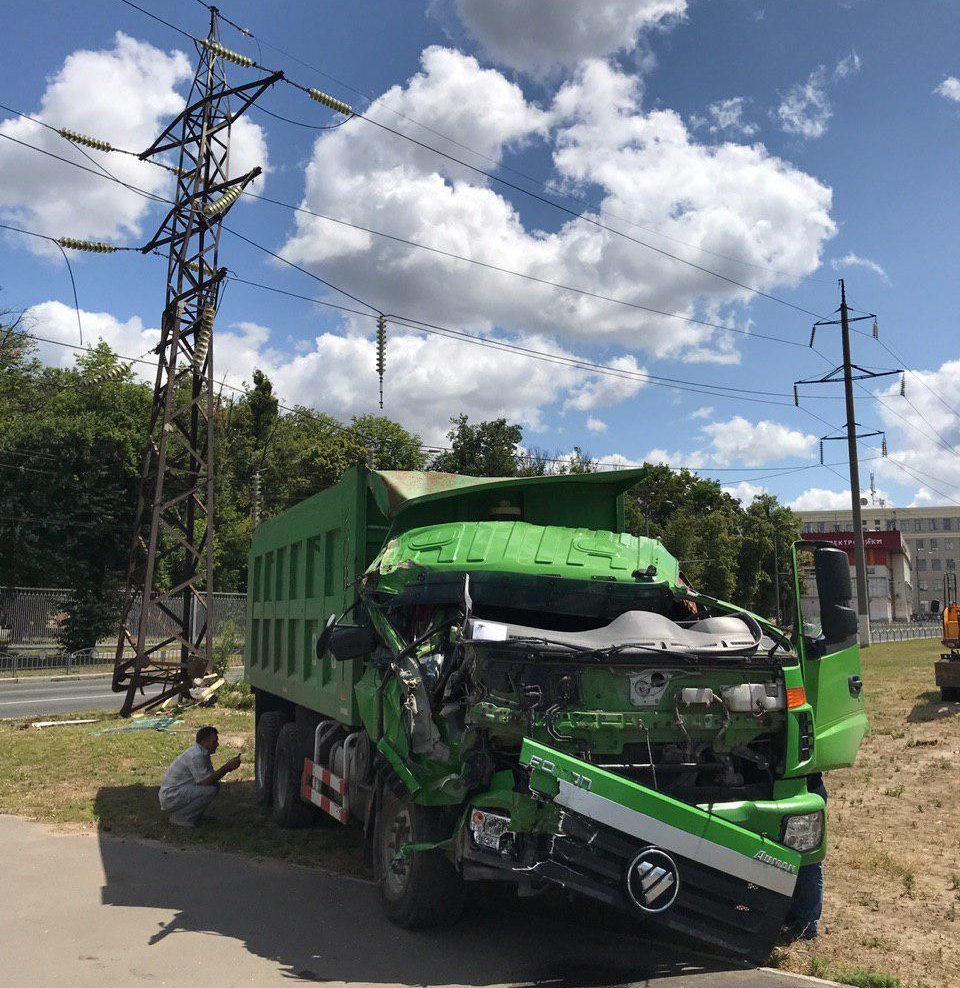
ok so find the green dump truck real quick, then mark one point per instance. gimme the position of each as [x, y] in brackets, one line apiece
[497, 682]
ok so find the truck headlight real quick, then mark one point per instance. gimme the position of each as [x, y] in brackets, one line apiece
[803, 832]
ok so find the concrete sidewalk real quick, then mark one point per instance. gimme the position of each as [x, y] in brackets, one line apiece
[93, 910]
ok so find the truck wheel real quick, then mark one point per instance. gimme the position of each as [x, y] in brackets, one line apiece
[289, 809]
[264, 754]
[949, 694]
[421, 890]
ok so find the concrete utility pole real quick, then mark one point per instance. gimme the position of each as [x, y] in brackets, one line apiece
[845, 372]
[863, 599]
[171, 558]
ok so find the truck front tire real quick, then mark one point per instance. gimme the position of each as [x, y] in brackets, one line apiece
[423, 889]
[289, 809]
[265, 754]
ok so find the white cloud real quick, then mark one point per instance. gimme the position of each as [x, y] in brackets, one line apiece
[923, 433]
[754, 443]
[851, 260]
[949, 89]
[539, 35]
[806, 109]
[726, 117]
[124, 94]
[429, 379]
[57, 321]
[727, 198]
[599, 391]
[596, 425]
[703, 412]
[745, 492]
[820, 499]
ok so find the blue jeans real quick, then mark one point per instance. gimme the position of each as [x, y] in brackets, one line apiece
[808, 892]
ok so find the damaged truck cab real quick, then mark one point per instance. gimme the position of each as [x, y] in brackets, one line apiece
[497, 682]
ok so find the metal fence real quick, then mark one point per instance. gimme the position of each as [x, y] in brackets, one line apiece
[881, 634]
[30, 618]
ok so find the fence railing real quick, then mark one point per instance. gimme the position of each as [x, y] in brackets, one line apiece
[881, 634]
[30, 618]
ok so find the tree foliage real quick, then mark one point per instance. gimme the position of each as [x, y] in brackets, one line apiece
[72, 443]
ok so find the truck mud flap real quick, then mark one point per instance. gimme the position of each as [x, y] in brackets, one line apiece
[674, 864]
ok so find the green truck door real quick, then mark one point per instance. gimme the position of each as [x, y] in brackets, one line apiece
[830, 658]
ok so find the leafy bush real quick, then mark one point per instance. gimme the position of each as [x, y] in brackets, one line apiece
[227, 642]
[91, 615]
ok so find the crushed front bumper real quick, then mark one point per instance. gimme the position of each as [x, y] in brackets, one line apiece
[677, 865]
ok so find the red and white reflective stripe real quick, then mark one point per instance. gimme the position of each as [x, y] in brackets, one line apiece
[313, 777]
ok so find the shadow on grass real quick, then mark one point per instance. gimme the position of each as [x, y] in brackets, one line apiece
[931, 708]
[322, 927]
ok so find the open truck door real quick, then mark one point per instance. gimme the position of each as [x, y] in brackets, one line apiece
[829, 655]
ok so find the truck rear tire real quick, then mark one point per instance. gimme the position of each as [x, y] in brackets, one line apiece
[424, 889]
[289, 809]
[265, 755]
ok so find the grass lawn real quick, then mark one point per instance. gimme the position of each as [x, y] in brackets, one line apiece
[892, 915]
[79, 778]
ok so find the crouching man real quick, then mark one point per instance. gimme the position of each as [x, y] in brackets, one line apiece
[192, 783]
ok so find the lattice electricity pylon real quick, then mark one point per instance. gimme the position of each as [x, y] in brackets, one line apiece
[171, 560]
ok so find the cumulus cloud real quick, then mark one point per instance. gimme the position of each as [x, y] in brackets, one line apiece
[806, 109]
[727, 198]
[726, 117]
[923, 433]
[851, 260]
[124, 94]
[820, 499]
[754, 443]
[539, 35]
[745, 492]
[596, 425]
[436, 378]
[949, 89]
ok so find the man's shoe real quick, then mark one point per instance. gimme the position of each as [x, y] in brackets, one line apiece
[795, 931]
[179, 821]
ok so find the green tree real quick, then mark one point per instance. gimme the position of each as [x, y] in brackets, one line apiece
[388, 444]
[487, 449]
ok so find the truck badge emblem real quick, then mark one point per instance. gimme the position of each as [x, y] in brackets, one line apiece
[653, 881]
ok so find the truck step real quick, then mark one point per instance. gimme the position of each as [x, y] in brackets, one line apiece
[315, 780]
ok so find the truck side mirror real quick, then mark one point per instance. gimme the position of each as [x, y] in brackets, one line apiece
[350, 641]
[835, 590]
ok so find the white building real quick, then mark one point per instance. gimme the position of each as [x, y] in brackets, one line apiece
[931, 536]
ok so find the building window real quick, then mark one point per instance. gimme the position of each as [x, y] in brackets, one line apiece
[891, 525]
[934, 524]
[919, 543]
[936, 565]
[821, 527]
[921, 565]
[951, 565]
[947, 524]
[934, 545]
[918, 526]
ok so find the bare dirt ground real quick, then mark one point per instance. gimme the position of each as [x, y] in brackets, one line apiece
[893, 866]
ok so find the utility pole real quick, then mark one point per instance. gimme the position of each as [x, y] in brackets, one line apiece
[863, 600]
[171, 559]
[846, 372]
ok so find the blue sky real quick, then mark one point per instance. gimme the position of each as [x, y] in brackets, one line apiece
[781, 144]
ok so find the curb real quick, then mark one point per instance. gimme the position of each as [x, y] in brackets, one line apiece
[808, 978]
[63, 678]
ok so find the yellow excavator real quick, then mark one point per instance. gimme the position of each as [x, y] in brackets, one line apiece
[948, 668]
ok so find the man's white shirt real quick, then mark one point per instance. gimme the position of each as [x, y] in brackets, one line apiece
[187, 769]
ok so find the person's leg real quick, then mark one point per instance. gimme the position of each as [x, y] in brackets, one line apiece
[192, 803]
[807, 904]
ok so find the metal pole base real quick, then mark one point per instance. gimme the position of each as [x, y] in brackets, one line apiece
[863, 630]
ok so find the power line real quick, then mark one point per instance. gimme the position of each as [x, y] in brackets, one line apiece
[536, 196]
[592, 204]
[721, 327]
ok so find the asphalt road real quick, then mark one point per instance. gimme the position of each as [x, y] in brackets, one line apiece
[94, 910]
[30, 697]
[33, 698]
